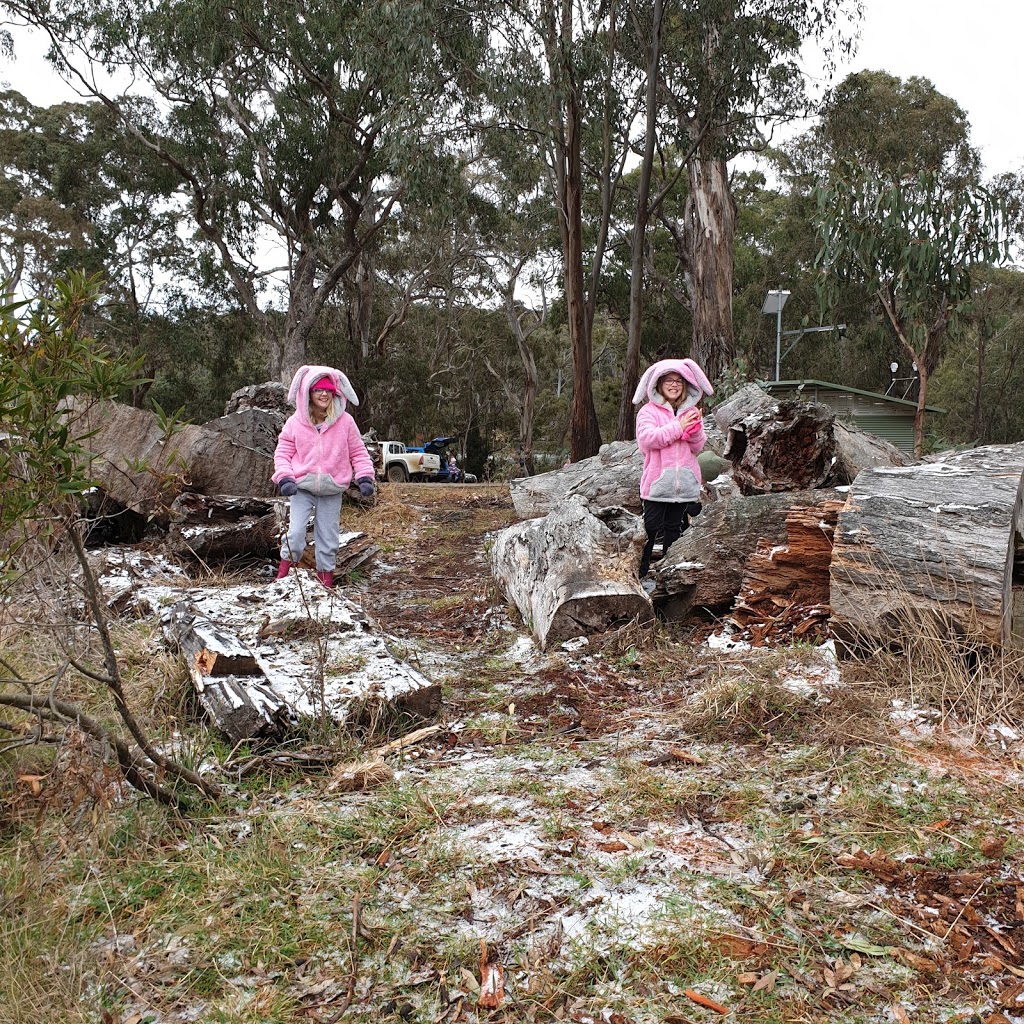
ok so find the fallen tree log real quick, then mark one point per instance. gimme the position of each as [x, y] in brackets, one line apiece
[574, 571]
[787, 445]
[232, 688]
[937, 544]
[263, 659]
[215, 528]
[144, 467]
[705, 567]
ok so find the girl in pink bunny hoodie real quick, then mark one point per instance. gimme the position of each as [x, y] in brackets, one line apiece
[318, 454]
[670, 433]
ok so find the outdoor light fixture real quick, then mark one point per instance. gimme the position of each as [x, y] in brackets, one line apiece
[773, 303]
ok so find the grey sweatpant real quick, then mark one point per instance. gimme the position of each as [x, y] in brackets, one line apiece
[325, 528]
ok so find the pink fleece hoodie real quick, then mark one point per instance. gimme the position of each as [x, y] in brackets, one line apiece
[671, 471]
[323, 461]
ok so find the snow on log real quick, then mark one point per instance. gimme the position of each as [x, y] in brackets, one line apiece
[574, 571]
[232, 688]
[215, 528]
[705, 567]
[941, 541]
[315, 655]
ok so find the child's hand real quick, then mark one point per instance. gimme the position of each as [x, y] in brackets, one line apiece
[365, 485]
[688, 417]
[288, 487]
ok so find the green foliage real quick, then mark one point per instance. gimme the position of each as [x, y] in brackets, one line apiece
[46, 360]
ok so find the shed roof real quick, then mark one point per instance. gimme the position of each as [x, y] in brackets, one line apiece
[798, 385]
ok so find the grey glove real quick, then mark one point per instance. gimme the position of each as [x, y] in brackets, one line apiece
[287, 486]
[365, 485]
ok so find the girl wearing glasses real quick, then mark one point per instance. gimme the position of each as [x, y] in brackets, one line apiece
[670, 434]
[318, 455]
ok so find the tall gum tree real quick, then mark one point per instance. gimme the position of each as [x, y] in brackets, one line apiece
[291, 128]
[557, 83]
[729, 69]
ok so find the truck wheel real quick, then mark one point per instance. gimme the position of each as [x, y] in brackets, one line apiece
[397, 473]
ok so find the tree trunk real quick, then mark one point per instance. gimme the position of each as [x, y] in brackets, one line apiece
[936, 546]
[631, 368]
[573, 572]
[586, 433]
[709, 220]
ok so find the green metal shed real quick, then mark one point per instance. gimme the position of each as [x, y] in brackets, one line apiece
[882, 415]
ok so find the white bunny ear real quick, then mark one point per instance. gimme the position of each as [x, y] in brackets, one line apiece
[698, 378]
[640, 395]
[346, 389]
[296, 384]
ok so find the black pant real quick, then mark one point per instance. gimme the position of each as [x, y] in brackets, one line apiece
[667, 519]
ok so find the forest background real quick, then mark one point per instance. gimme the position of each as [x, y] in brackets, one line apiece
[492, 215]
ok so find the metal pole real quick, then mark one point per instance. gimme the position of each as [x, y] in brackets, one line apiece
[778, 334]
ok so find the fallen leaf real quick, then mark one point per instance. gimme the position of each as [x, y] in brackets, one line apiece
[615, 846]
[992, 847]
[685, 755]
[919, 963]
[32, 781]
[900, 1013]
[748, 978]
[492, 981]
[938, 826]
[766, 983]
[708, 1004]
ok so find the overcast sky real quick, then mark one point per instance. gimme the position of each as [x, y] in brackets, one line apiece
[971, 51]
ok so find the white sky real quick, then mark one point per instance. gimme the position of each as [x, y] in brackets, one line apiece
[970, 51]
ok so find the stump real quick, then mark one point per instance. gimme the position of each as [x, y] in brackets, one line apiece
[940, 541]
[215, 528]
[574, 571]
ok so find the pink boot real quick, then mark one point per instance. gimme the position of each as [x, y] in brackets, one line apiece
[282, 569]
[326, 577]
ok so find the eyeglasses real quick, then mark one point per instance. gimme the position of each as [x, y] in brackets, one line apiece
[321, 392]
[672, 380]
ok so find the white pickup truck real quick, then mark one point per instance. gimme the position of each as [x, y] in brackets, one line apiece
[398, 465]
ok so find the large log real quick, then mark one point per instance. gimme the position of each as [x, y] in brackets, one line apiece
[143, 468]
[312, 653]
[215, 528]
[938, 541]
[705, 567]
[574, 571]
[787, 445]
[232, 688]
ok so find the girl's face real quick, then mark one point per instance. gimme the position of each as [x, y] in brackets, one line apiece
[672, 388]
[320, 401]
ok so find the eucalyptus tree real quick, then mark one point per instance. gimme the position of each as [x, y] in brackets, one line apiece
[914, 242]
[559, 88]
[730, 69]
[294, 131]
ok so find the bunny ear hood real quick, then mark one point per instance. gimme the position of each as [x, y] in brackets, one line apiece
[304, 378]
[697, 384]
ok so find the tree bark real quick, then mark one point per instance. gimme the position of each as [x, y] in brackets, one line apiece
[709, 236]
[705, 567]
[935, 546]
[574, 571]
